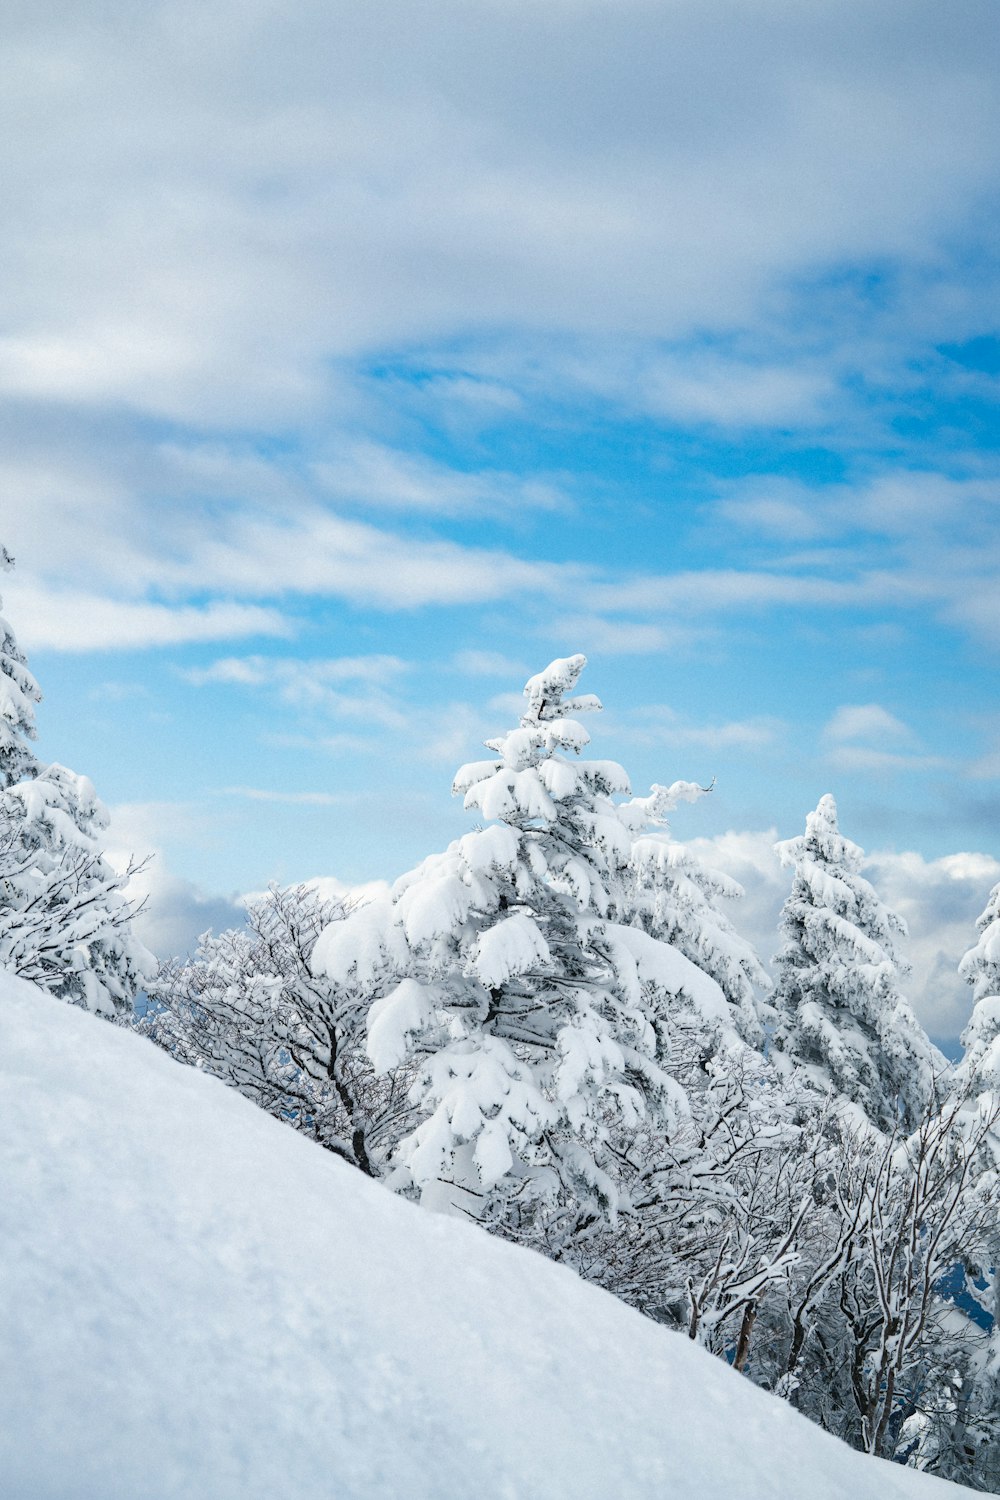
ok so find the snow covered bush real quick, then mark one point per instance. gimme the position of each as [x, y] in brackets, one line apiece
[65, 922]
[890, 1344]
[249, 1009]
[840, 1017]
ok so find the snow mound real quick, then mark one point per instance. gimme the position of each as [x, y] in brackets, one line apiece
[197, 1302]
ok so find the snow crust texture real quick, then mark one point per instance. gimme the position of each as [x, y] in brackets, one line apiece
[197, 1302]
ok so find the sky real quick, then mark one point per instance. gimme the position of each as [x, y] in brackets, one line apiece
[358, 359]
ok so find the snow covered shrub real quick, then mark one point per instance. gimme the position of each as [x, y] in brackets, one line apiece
[839, 1015]
[250, 1010]
[65, 922]
[888, 1340]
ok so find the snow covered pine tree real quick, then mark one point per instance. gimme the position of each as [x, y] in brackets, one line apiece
[499, 967]
[674, 897]
[979, 1069]
[840, 1016]
[64, 920]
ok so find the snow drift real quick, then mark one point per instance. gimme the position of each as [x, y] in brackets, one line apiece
[195, 1301]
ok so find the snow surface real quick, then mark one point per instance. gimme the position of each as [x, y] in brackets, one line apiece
[196, 1302]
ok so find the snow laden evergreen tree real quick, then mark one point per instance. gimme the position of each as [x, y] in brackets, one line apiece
[535, 1020]
[19, 693]
[976, 1384]
[979, 1069]
[64, 918]
[675, 898]
[839, 1014]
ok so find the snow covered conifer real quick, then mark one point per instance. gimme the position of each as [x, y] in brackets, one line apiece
[18, 695]
[64, 920]
[499, 968]
[840, 1015]
[673, 896]
[977, 1090]
[979, 1070]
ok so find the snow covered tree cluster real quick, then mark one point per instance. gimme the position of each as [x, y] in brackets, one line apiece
[554, 1028]
[64, 917]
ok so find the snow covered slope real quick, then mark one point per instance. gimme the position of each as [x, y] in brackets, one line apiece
[195, 1302]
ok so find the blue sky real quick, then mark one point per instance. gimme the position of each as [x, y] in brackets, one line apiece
[357, 359]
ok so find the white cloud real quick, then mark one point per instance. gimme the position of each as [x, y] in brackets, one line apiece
[728, 393]
[64, 620]
[606, 637]
[857, 733]
[661, 725]
[384, 478]
[864, 759]
[329, 888]
[569, 167]
[258, 671]
[253, 557]
[725, 590]
[316, 552]
[940, 900]
[175, 911]
[488, 664]
[749, 858]
[866, 721]
[308, 684]
[915, 539]
[300, 799]
[775, 514]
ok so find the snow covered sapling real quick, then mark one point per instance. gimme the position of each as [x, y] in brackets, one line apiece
[499, 969]
[839, 1014]
[65, 922]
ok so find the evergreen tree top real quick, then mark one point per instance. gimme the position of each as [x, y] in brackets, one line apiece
[533, 779]
[822, 841]
[839, 1013]
[980, 966]
[546, 691]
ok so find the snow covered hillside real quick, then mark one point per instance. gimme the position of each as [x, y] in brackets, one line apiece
[197, 1302]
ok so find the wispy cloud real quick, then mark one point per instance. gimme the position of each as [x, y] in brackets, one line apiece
[866, 721]
[370, 474]
[865, 738]
[661, 725]
[64, 620]
[623, 637]
[865, 759]
[294, 799]
[310, 685]
[488, 664]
